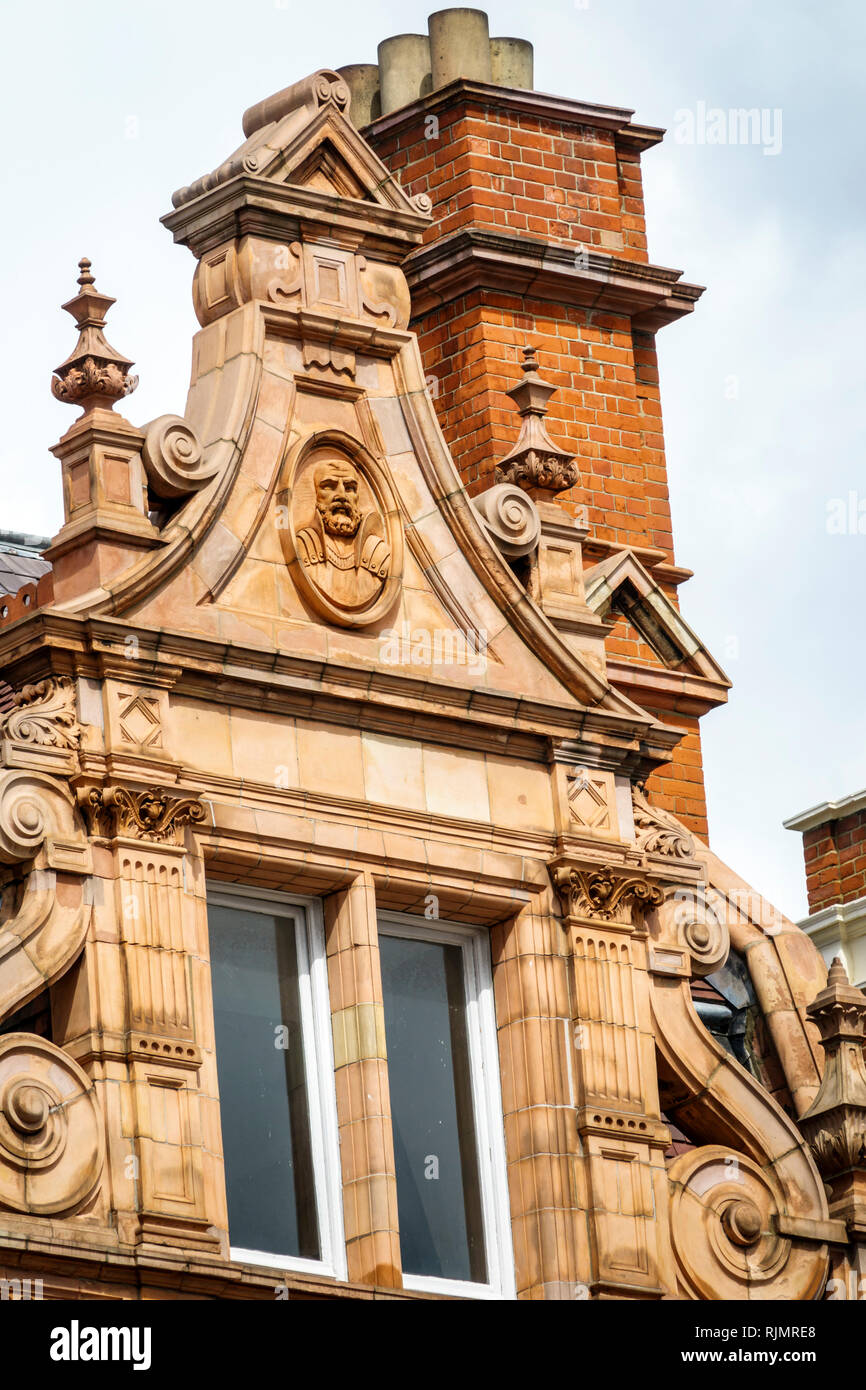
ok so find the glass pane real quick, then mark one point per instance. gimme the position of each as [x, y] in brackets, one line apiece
[262, 1083]
[438, 1190]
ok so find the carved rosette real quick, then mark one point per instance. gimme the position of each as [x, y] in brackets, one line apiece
[605, 894]
[51, 1145]
[657, 832]
[45, 714]
[145, 815]
[724, 1213]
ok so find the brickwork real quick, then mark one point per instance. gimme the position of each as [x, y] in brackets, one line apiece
[559, 181]
[835, 855]
[679, 786]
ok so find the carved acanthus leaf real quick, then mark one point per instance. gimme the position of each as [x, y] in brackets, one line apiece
[535, 462]
[657, 832]
[45, 713]
[838, 1149]
[145, 815]
[550, 470]
[606, 894]
[93, 378]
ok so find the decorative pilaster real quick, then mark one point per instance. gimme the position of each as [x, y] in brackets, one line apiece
[144, 1024]
[622, 1135]
[535, 1031]
[361, 1075]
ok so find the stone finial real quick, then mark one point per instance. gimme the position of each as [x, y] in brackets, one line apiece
[95, 374]
[835, 1123]
[535, 463]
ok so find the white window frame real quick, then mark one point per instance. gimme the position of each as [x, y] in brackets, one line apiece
[319, 1070]
[474, 942]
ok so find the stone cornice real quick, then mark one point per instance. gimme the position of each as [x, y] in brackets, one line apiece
[827, 811]
[249, 206]
[826, 924]
[480, 258]
[545, 105]
[389, 702]
[690, 694]
[652, 557]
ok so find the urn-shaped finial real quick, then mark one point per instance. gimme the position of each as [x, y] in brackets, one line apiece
[535, 463]
[95, 374]
[835, 1123]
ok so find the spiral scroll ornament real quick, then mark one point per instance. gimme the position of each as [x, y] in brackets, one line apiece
[51, 1146]
[724, 1219]
[688, 920]
[511, 517]
[25, 816]
[173, 457]
[328, 87]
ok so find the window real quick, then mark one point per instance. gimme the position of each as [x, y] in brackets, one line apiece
[446, 1110]
[276, 1080]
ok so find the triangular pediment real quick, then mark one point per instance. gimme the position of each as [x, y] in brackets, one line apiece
[303, 138]
[329, 155]
[328, 172]
[621, 586]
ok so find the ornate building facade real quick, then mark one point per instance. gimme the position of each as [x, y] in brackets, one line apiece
[360, 935]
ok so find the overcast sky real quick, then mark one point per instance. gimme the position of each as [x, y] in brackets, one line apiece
[108, 108]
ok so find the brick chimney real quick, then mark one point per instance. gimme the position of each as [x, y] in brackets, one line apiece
[539, 241]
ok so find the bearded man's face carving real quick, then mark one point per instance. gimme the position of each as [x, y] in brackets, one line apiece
[337, 498]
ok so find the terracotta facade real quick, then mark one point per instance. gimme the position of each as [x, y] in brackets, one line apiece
[403, 657]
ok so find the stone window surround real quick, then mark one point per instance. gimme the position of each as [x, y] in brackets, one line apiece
[319, 1067]
[487, 1102]
[319, 1045]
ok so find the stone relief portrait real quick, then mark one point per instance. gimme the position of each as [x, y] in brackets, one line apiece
[345, 533]
[343, 548]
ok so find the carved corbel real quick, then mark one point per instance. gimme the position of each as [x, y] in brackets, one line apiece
[41, 929]
[605, 894]
[748, 1211]
[117, 812]
[42, 731]
[658, 833]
